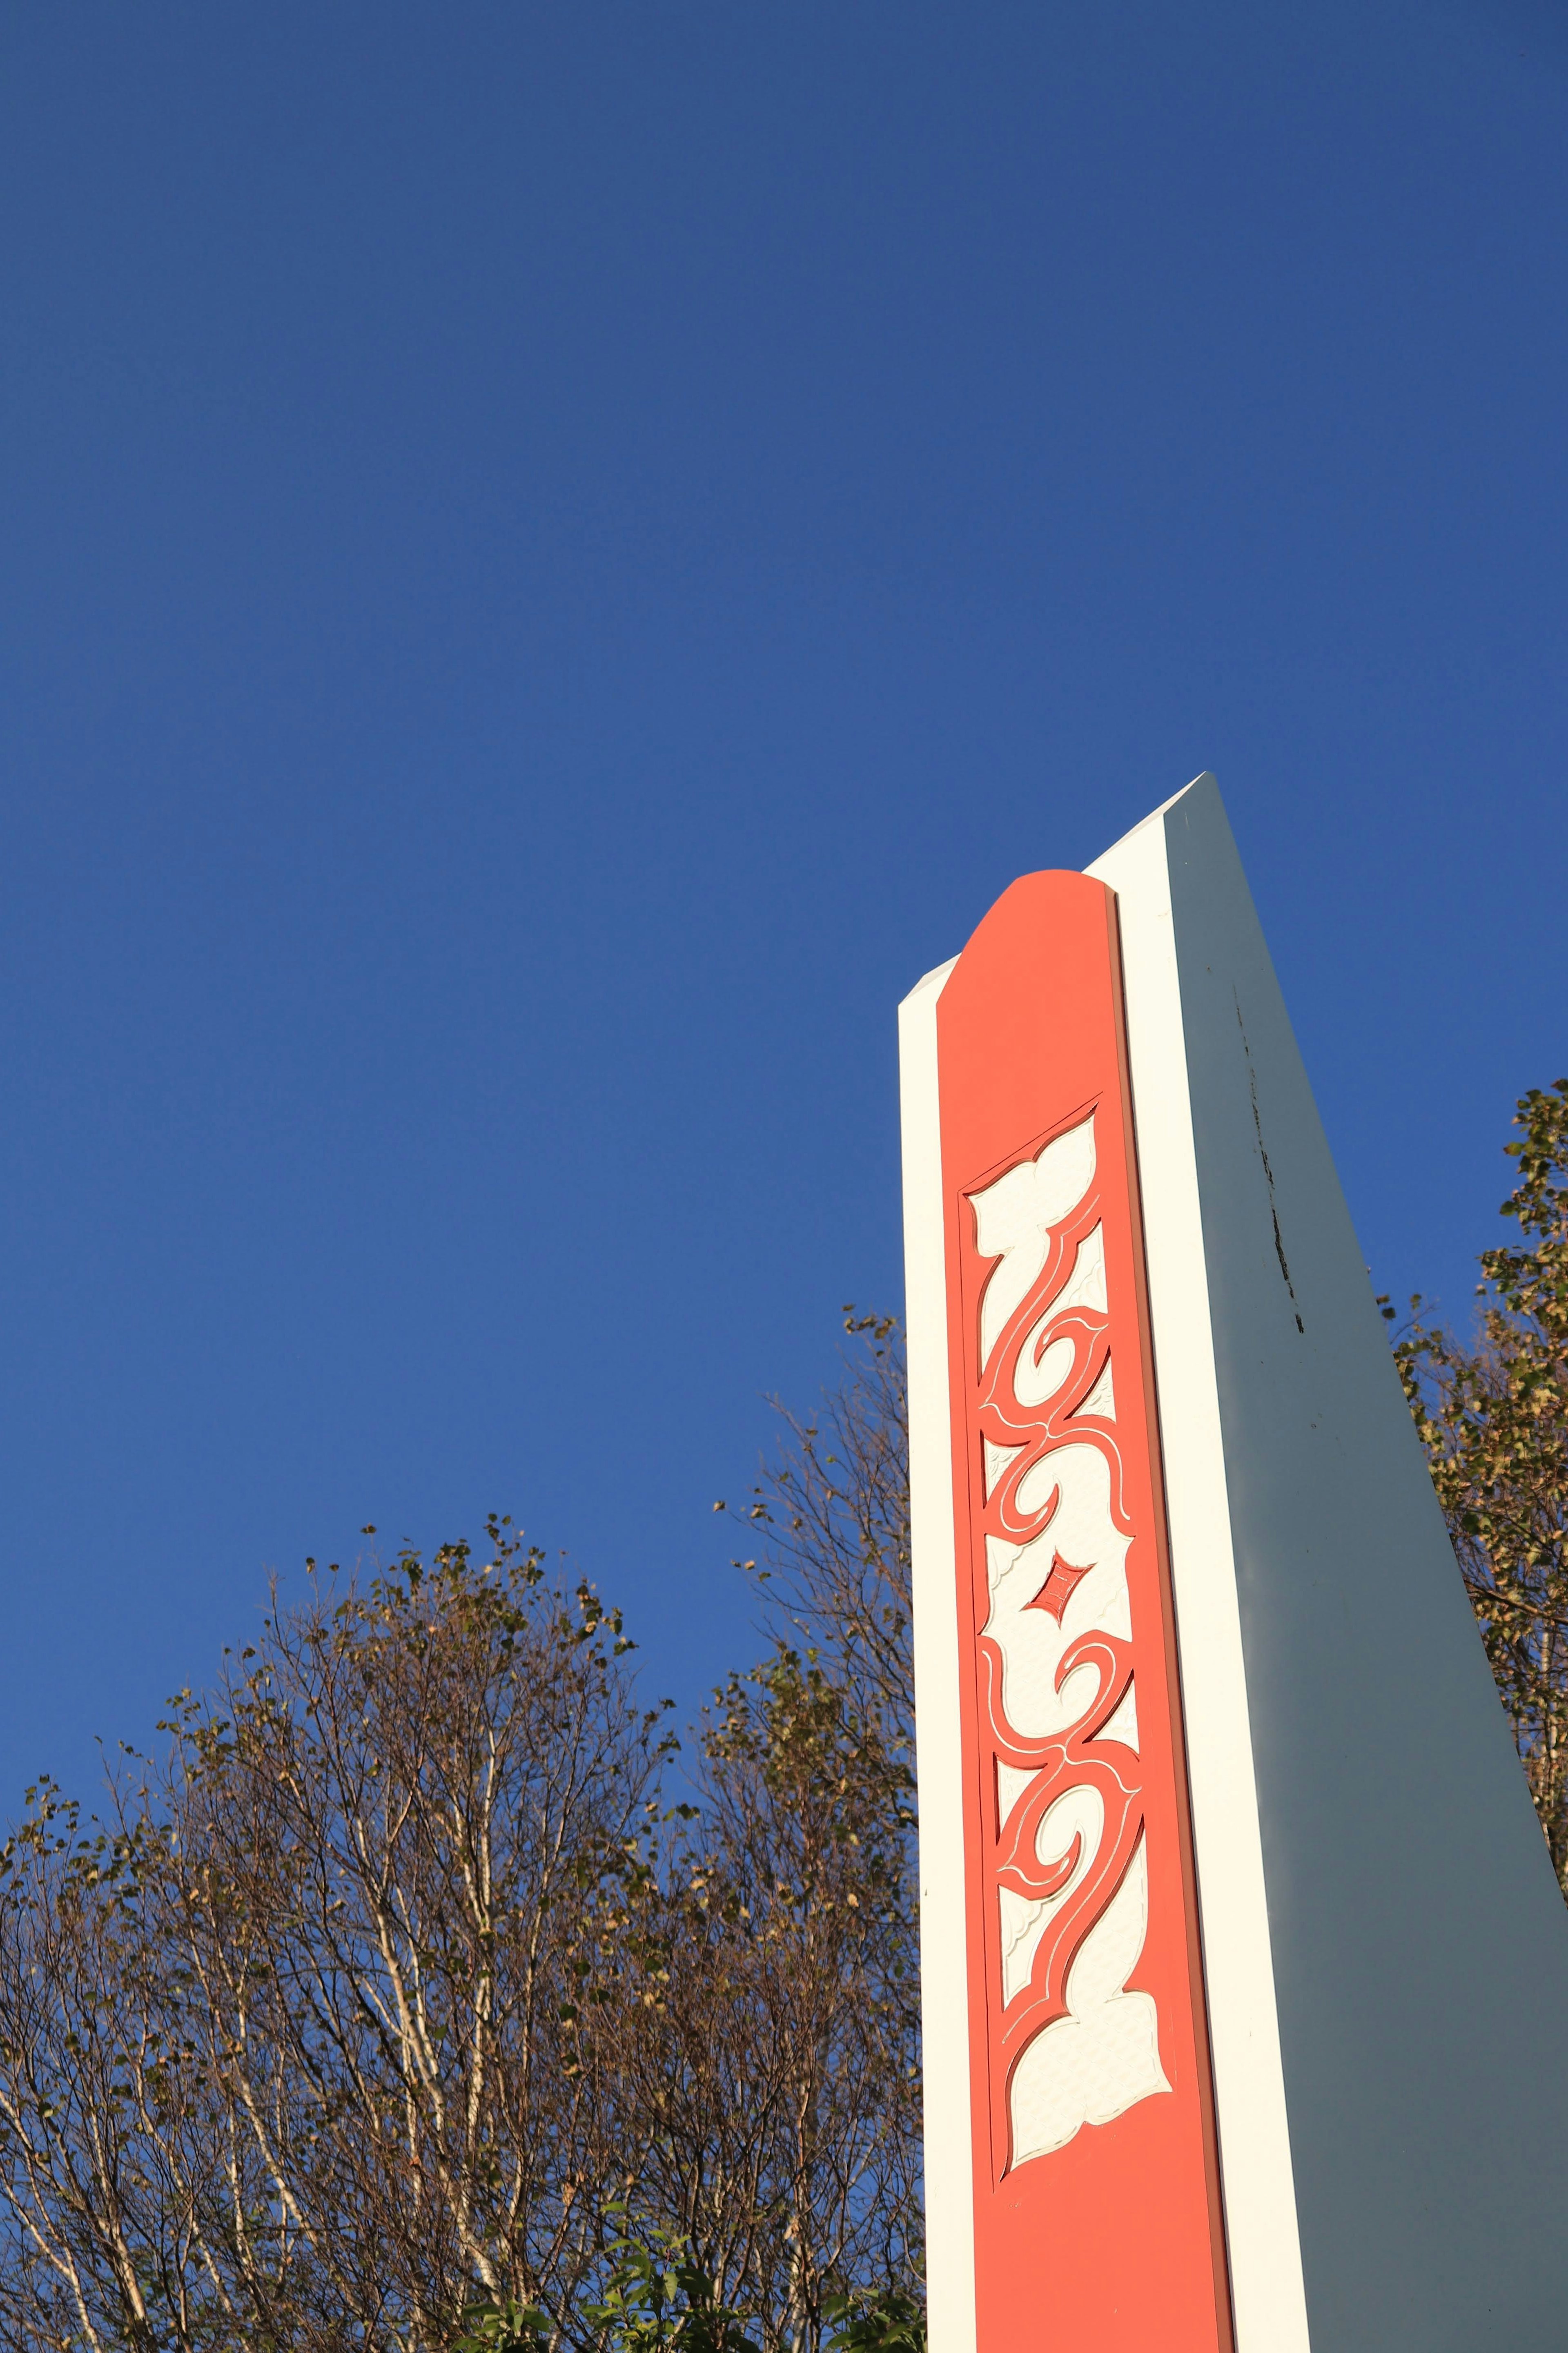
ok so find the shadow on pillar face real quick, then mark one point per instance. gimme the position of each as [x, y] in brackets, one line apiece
[1420, 1942]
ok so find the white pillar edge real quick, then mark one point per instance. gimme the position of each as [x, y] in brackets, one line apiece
[1268, 2289]
[944, 1950]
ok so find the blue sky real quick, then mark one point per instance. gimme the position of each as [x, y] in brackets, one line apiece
[553, 560]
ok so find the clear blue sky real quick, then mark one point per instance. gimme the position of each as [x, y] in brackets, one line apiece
[556, 558]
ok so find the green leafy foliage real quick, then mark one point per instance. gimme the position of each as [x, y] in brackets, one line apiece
[658, 2295]
[891, 2322]
[508, 2327]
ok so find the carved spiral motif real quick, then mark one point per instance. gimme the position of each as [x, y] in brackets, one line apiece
[1056, 1653]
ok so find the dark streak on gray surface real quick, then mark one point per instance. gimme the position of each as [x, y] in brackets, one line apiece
[1268, 1173]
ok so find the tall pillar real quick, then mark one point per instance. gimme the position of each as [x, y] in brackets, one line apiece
[1245, 1971]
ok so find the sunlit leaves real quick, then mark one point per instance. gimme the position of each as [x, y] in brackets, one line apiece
[1492, 1415]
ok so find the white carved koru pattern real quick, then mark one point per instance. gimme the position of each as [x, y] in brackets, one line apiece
[1058, 1658]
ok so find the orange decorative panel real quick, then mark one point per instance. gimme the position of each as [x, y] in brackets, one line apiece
[1097, 2219]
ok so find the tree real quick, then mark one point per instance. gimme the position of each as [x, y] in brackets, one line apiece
[833, 1508]
[784, 2056]
[1493, 1417]
[395, 2006]
[307, 2045]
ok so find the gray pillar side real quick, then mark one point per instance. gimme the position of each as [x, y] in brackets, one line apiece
[1420, 1943]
